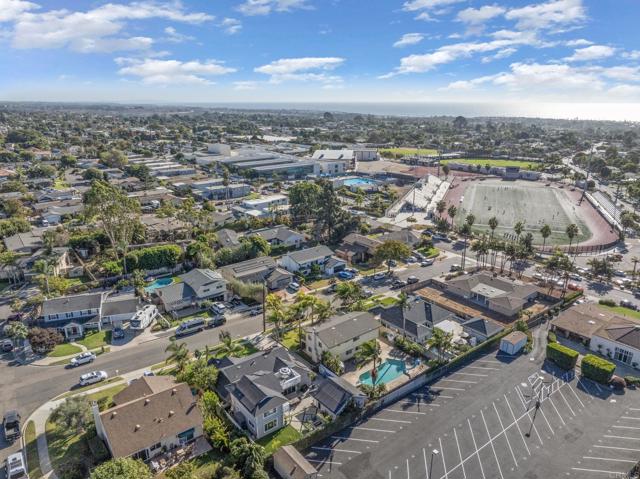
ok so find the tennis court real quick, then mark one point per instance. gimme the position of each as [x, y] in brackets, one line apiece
[530, 202]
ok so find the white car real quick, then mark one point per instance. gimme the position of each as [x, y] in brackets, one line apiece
[93, 377]
[83, 358]
[15, 467]
[379, 276]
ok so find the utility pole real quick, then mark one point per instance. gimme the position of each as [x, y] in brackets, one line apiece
[264, 306]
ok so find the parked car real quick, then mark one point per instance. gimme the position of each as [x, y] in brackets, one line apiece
[575, 277]
[412, 279]
[410, 259]
[293, 286]
[379, 276]
[6, 345]
[256, 311]
[82, 358]
[392, 262]
[398, 283]
[117, 333]
[427, 262]
[93, 377]
[218, 308]
[191, 326]
[625, 303]
[11, 425]
[455, 268]
[345, 275]
[217, 321]
[15, 467]
[367, 293]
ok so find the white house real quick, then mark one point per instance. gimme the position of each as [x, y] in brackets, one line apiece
[280, 236]
[341, 335]
[618, 340]
[302, 261]
[195, 287]
[71, 315]
[266, 203]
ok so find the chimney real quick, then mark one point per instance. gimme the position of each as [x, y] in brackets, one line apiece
[147, 401]
[98, 420]
[174, 391]
[137, 427]
[171, 413]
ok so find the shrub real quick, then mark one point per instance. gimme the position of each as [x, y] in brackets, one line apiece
[44, 340]
[155, 257]
[607, 302]
[407, 346]
[597, 369]
[632, 380]
[563, 356]
[551, 337]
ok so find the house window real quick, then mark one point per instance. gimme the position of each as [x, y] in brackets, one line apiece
[269, 413]
[270, 425]
[356, 338]
[348, 351]
[157, 445]
[622, 355]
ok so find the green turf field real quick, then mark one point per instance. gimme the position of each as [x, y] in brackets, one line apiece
[525, 165]
[408, 151]
[532, 203]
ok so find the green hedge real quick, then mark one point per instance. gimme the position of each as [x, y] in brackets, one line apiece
[563, 356]
[607, 302]
[155, 257]
[598, 369]
[632, 380]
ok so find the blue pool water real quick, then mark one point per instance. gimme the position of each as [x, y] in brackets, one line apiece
[158, 283]
[360, 182]
[387, 371]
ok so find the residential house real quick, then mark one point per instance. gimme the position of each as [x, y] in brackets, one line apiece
[73, 315]
[259, 388]
[341, 335]
[280, 236]
[304, 260]
[162, 229]
[27, 243]
[117, 309]
[333, 394]
[357, 248]
[226, 238]
[151, 416]
[409, 237]
[194, 287]
[258, 270]
[481, 329]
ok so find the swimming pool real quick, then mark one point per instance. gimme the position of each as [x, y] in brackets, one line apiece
[387, 371]
[158, 283]
[359, 182]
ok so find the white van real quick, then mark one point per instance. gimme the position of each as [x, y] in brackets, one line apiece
[218, 308]
[191, 326]
[144, 317]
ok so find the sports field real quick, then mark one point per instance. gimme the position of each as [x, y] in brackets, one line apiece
[408, 151]
[529, 202]
[524, 165]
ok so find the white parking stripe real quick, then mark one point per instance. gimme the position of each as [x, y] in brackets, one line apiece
[464, 473]
[634, 409]
[475, 445]
[521, 397]
[354, 439]
[404, 412]
[626, 427]
[517, 425]
[547, 421]
[491, 442]
[624, 437]
[556, 409]
[618, 448]
[459, 381]
[505, 435]
[630, 417]
[450, 389]
[567, 402]
[389, 420]
[608, 459]
[324, 462]
[474, 374]
[408, 472]
[597, 471]
[358, 428]
[485, 368]
[426, 468]
[317, 448]
[574, 393]
[446, 475]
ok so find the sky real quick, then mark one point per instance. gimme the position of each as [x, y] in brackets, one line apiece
[582, 51]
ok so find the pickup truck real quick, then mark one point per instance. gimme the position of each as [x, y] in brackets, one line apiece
[11, 425]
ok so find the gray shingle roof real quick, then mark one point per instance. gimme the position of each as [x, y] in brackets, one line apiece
[341, 329]
[67, 304]
[334, 393]
[483, 326]
[310, 254]
[196, 278]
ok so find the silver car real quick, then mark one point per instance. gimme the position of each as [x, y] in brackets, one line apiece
[83, 358]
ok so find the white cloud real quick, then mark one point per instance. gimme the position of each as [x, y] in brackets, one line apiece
[311, 69]
[11, 9]
[168, 72]
[415, 5]
[231, 25]
[97, 29]
[174, 36]
[579, 42]
[504, 53]
[409, 39]
[425, 17]
[632, 55]
[624, 91]
[245, 85]
[621, 73]
[594, 52]
[477, 16]
[552, 14]
[265, 7]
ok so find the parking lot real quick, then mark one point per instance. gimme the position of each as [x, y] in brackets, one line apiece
[482, 422]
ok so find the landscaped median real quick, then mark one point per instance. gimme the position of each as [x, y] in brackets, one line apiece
[31, 446]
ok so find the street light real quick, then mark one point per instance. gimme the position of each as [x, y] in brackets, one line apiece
[435, 452]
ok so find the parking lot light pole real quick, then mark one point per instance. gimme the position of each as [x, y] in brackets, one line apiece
[435, 452]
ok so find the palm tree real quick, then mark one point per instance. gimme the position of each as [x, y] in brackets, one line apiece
[635, 260]
[518, 228]
[493, 224]
[300, 309]
[369, 351]
[322, 311]
[452, 212]
[179, 353]
[466, 232]
[275, 312]
[403, 303]
[229, 346]
[349, 293]
[545, 232]
[572, 231]
[441, 341]
[441, 206]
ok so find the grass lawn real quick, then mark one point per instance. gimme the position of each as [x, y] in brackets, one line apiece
[64, 349]
[622, 311]
[408, 151]
[247, 349]
[291, 340]
[525, 165]
[96, 340]
[90, 386]
[429, 252]
[104, 398]
[97, 352]
[321, 283]
[388, 301]
[33, 463]
[60, 184]
[65, 447]
[284, 436]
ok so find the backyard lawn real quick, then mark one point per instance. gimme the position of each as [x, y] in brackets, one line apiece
[622, 311]
[64, 349]
[32, 451]
[284, 436]
[96, 340]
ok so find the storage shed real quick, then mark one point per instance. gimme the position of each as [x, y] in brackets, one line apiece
[513, 342]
